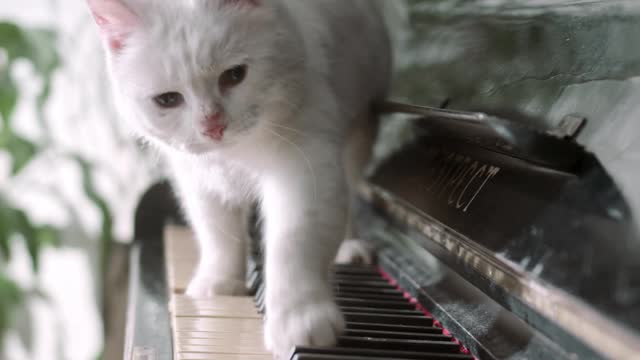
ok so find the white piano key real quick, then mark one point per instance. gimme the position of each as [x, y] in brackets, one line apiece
[218, 324]
[220, 328]
[219, 306]
[200, 356]
[225, 347]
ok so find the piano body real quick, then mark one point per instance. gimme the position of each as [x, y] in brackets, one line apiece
[500, 234]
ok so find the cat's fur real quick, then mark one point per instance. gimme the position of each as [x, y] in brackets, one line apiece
[314, 68]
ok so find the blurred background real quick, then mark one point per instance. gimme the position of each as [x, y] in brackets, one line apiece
[71, 176]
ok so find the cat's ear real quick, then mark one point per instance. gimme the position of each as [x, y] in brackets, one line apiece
[115, 20]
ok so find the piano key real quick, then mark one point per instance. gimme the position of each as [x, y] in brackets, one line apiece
[396, 335]
[380, 322]
[218, 325]
[397, 344]
[225, 347]
[335, 353]
[383, 304]
[375, 284]
[204, 356]
[365, 290]
[192, 334]
[381, 311]
[394, 328]
[354, 269]
[343, 357]
[380, 297]
[388, 319]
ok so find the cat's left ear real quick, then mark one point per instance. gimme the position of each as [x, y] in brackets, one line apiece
[115, 20]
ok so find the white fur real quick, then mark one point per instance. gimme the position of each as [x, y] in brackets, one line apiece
[314, 67]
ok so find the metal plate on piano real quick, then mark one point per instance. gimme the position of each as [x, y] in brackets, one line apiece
[546, 234]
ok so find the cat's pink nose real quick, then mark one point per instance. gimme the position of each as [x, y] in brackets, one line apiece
[214, 126]
[214, 118]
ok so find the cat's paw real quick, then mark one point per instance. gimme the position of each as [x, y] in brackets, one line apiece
[355, 251]
[207, 287]
[310, 324]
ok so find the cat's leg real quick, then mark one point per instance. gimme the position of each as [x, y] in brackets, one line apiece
[357, 155]
[221, 231]
[304, 207]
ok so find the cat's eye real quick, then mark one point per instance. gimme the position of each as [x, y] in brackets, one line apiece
[169, 100]
[232, 77]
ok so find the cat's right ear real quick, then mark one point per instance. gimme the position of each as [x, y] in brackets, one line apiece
[115, 20]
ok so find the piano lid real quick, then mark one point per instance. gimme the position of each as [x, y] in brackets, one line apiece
[531, 61]
[545, 233]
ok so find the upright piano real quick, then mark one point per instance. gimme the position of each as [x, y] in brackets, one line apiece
[494, 240]
[499, 234]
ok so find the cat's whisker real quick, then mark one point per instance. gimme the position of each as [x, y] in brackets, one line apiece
[287, 128]
[304, 155]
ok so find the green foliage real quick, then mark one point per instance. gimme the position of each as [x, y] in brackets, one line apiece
[14, 222]
[106, 231]
[10, 298]
[37, 47]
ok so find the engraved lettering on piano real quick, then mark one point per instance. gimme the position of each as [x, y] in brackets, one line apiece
[458, 178]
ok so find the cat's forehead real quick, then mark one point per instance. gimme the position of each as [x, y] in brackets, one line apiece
[208, 42]
[189, 46]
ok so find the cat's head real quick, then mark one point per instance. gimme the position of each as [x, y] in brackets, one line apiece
[198, 75]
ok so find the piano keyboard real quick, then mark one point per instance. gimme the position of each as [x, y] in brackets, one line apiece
[382, 321]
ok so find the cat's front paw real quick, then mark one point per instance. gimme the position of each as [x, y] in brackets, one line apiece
[355, 251]
[207, 287]
[313, 323]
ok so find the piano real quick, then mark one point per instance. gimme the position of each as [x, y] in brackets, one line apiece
[495, 240]
[498, 234]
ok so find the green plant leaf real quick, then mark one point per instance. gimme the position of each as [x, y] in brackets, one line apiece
[16, 222]
[11, 40]
[20, 149]
[36, 45]
[5, 237]
[106, 233]
[8, 96]
[11, 296]
[23, 226]
[48, 236]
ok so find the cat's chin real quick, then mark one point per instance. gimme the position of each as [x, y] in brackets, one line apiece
[204, 147]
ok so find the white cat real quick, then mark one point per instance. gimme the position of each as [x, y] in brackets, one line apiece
[256, 100]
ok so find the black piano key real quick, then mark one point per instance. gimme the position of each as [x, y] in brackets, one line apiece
[378, 297]
[365, 290]
[367, 310]
[355, 357]
[388, 319]
[255, 279]
[397, 344]
[394, 328]
[342, 353]
[382, 304]
[380, 322]
[338, 357]
[355, 270]
[396, 335]
[375, 284]
[259, 299]
[356, 278]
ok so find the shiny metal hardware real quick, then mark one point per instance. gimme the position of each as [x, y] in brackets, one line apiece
[570, 126]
